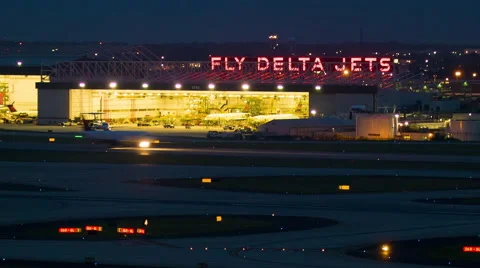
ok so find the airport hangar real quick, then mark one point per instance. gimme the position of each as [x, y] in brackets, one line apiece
[127, 91]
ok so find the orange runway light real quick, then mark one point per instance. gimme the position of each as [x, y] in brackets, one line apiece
[219, 218]
[126, 230]
[140, 231]
[344, 187]
[51, 139]
[471, 249]
[207, 180]
[94, 228]
[69, 230]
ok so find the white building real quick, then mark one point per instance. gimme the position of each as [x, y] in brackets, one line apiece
[377, 126]
[465, 127]
[309, 128]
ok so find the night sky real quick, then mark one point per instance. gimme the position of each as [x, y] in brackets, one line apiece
[308, 21]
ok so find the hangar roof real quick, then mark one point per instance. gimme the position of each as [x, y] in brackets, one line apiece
[24, 70]
[325, 89]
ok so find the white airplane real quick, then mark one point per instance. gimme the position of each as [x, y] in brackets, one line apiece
[106, 135]
[271, 117]
[227, 116]
[14, 112]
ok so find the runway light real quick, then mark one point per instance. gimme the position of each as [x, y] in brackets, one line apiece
[81, 85]
[78, 136]
[145, 85]
[219, 218]
[178, 86]
[344, 187]
[69, 230]
[145, 222]
[211, 86]
[346, 72]
[206, 180]
[113, 84]
[125, 230]
[471, 249]
[280, 87]
[385, 248]
[313, 112]
[245, 86]
[19, 63]
[144, 144]
[51, 139]
[94, 228]
[318, 87]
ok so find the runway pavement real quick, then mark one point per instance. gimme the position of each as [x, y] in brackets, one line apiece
[242, 152]
[101, 192]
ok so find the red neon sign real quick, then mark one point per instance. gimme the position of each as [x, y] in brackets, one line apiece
[471, 249]
[69, 230]
[140, 231]
[303, 64]
[94, 228]
[126, 230]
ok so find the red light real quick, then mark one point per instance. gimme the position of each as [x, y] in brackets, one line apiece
[471, 249]
[69, 230]
[215, 62]
[239, 62]
[278, 64]
[228, 68]
[140, 231]
[94, 228]
[385, 63]
[265, 66]
[290, 67]
[338, 69]
[317, 64]
[126, 230]
[304, 62]
[370, 63]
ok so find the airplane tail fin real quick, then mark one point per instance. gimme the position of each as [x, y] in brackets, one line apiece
[11, 108]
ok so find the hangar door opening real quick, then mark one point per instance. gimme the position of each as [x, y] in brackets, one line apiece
[197, 107]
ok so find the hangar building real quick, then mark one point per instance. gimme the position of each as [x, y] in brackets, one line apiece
[179, 92]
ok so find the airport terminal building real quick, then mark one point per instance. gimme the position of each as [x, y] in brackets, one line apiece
[176, 92]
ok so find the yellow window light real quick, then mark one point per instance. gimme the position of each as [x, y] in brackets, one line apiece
[219, 218]
[344, 187]
[206, 180]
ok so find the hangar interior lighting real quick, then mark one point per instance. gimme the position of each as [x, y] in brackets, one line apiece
[82, 84]
[113, 84]
[318, 87]
[280, 87]
[211, 86]
[145, 85]
[178, 85]
[245, 86]
[144, 144]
